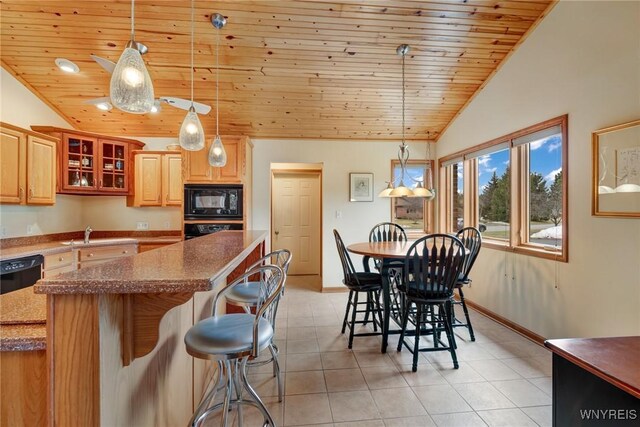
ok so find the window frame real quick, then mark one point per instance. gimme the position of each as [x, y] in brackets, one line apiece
[519, 216]
[428, 209]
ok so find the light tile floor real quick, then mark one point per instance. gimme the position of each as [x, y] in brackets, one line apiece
[503, 379]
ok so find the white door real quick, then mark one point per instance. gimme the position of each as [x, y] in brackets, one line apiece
[296, 219]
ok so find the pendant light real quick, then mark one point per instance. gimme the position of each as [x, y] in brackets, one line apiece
[131, 89]
[403, 154]
[217, 154]
[191, 136]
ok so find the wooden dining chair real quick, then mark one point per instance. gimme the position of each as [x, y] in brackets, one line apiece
[387, 232]
[357, 282]
[431, 270]
[472, 241]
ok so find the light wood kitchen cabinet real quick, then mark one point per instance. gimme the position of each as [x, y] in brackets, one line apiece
[97, 255]
[92, 163]
[157, 179]
[63, 262]
[28, 167]
[196, 164]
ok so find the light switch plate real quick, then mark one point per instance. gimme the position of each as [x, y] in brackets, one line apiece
[142, 225]
[29, 229]
[167, 224]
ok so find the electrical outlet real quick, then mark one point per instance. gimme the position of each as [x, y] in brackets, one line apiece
[29, 229]
[338, 214]
[167, 224]
[142, 225]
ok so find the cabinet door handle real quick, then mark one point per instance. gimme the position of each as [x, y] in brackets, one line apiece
[209, 172]
[21, 193]
[61, 258]
[30, 193]
[125, 252]
[89, 255]
[100, 183]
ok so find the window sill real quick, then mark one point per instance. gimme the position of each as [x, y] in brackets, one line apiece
[530, 250]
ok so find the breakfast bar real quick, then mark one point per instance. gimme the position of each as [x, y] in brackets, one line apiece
[115, 331]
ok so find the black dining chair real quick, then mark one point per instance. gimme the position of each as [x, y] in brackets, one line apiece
[431, 269]
[387, 232]
[472, 241]
[357, 282]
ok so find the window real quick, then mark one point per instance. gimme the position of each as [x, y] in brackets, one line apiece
[494, 193]
[414, 214]
[515, 190]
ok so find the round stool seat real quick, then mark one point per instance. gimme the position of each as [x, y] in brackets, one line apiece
[244, 294]
[229, 336]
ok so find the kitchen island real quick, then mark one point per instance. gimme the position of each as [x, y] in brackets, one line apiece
[115, 331]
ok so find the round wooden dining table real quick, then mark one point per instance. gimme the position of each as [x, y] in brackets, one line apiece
[391, 254]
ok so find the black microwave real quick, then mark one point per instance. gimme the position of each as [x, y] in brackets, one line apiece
[213, 201]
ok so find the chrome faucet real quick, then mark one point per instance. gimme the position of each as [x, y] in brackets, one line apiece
[87, 233]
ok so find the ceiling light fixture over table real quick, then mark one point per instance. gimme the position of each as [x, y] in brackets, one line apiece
[131, 89]
[191, 136]
[403, 155]
[217, 153]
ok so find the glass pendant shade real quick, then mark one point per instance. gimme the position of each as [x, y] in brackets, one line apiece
[420, 191]
[401, 191]
[217, 154]
[387, 191]
[131, 89]
[191, 133]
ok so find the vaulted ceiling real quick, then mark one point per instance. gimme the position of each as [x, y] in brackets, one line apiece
[288, 69]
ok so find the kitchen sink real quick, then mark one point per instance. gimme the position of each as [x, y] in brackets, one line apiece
[102, 241]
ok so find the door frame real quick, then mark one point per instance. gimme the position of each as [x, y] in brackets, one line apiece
[297, 168]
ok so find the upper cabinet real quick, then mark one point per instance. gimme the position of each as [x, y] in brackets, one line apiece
[92, 163]
[157, 179]
[28, 167]
[196, 163]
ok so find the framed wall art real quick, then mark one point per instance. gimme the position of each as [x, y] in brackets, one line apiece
[361, 187]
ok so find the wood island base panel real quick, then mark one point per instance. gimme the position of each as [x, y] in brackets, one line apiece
[115, 332]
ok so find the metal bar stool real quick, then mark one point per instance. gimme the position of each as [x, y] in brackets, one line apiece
[230, 339]
[247, 296]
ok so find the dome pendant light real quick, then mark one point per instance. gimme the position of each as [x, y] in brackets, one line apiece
[131, 89]
[191, 136]
[403, 154]
[217, 154]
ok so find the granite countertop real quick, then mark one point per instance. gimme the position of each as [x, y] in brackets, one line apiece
[50, 248]
[23, 307]
[187, 266]
[23, 337]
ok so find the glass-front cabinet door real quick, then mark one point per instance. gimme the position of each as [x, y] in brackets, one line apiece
[113, 166]
[80, 156]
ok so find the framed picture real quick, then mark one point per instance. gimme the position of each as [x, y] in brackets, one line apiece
[616, 171]
[361, 187]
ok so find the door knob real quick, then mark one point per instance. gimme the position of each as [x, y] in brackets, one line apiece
[277, 232]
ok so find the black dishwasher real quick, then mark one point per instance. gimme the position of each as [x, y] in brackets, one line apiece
[20, 273]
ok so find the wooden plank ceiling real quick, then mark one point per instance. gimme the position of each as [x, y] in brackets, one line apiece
[288, 69]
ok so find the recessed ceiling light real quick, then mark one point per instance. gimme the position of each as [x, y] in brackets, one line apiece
[67, 66]
[104, 106]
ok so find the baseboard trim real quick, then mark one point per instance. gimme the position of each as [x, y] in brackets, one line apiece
[532, 336]
[333, 289]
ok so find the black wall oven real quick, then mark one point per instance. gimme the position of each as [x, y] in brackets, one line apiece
[202, 229]
[213, 202]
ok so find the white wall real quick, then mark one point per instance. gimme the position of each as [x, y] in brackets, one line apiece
[584, 60]
[20, 107]
[338, 158]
